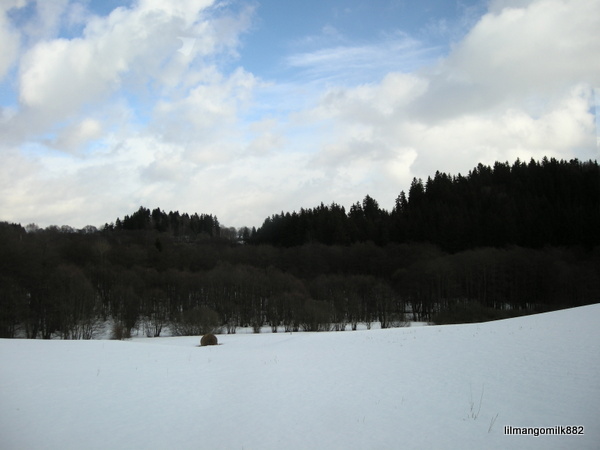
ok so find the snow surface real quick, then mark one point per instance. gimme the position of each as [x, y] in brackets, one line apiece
[438, 387]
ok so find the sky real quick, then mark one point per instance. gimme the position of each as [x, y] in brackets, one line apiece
[244, 109]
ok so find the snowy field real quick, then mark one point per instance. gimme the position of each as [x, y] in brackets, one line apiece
[438, 387]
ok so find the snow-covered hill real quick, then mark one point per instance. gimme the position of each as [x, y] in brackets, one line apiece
[439, 387]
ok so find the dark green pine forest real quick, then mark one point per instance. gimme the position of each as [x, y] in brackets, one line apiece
[501, 241]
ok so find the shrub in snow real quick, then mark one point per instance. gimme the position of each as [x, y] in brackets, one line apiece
[119, 331]
[316, 316]
[208, 339]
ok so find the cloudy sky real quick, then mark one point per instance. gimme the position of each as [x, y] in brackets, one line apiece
[243, 109]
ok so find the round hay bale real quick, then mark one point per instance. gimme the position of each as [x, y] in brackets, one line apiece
[208, 339]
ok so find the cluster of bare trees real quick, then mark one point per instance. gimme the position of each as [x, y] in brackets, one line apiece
[513, 279]
[229, 296]
[67, 284]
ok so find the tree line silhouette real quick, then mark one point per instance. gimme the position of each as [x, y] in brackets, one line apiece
[501, 241]
[530, 205]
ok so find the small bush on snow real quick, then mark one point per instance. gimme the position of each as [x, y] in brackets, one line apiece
[119, 331]
[208, 339]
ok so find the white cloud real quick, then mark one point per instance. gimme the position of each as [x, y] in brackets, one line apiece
[206, 122]
[65, 74]
[370, 126]
[76, 136]
[346, 63]
[130, 52]
[515, 53]
[264, 138]
[59, 76]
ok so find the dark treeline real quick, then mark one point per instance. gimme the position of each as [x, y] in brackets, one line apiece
[172, 223]
[530, 205]
[501, 241]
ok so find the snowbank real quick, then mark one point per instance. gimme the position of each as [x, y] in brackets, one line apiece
[439, 387]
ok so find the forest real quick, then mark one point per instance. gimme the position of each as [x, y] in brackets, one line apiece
[503, 240]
